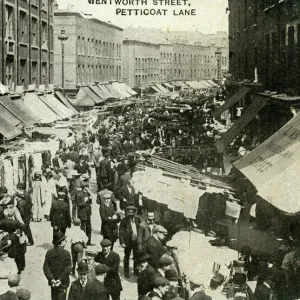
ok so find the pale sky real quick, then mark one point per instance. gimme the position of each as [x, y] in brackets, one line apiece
[210, 14]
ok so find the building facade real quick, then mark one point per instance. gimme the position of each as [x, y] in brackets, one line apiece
[26, 39]
[140, 63]
[264, 39]
[146, 63]
[92, 51]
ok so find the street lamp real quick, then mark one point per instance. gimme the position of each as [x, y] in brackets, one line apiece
[218, 58]
[63, 37]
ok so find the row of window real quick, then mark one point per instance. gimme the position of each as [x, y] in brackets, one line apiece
[24, 28]
[95, 48]
[146, 62]
[202, 73]
[88, 74]
[23, 72]
[170, 58]
[145, 79]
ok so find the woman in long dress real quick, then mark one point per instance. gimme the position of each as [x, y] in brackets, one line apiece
[50, 193]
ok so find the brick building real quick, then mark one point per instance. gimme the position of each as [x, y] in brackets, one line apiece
[266, 35]
[92, 51]
[145, 63]
[140, 63]
[26, 39]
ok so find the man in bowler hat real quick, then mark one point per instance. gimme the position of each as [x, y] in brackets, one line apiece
[57, 267]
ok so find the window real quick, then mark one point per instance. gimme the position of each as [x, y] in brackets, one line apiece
[9, 22]
[23, 27]
[45, 5]
[23, 72]
[96, 48]
[44, 35]
[9, 71]
[51, 37]
[79, 45]
[82, 47]
[44, 73]
[92, 47]
[33, 31]
[34, 72]
[88, 47]
[79, 74]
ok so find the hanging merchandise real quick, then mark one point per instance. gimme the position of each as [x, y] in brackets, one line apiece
[38, 198]
[8, 169]
[38, 163]
[15, 171]
[30, 170]
[22, 169]
[2, 174]
[233, 209]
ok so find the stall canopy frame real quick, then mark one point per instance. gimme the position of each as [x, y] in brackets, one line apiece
[8, 124]
[231, 101]
[241, 123]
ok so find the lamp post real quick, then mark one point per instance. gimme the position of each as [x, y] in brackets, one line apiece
[218, 58]
[63, 37]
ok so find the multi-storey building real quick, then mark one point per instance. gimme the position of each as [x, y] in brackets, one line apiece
[26, 39]
[265, 35]
[145, 63]
[92, 51]
[140, 63]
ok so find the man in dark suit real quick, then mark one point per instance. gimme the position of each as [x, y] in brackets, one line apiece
[128, 230]
[24, 205]
[85, 289]
[146, 273]
[154, 245]
[111, 259]
[105, 170]
[82, 166]
[60, 216]
[57, 267]
[127, 195]
[83, 201]
[145, 229]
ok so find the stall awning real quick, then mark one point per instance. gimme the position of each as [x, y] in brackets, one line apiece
[231, 101]
[8, 123]
[32, 101]
[91, 94]
[162, 89]
[128, 89]
[81, 100]
[97, 91]
[105, 92]
[273, 168]
[114, 92]
[212, 83]
[241, 123]
[156, 89]
[168, 85]
[65, 101]
[56, 106]
[19, 109]
[120, 90]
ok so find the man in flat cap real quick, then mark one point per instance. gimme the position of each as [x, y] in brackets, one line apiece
[111, 259]
[146, 273]
[165, 264]
[154, 246]
[100, 291]
[82, 166]
[77, 240]
[160, 288]
[128, 230]
[57, 267]
[23, 294]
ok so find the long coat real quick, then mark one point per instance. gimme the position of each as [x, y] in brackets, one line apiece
[57, 265]
[94, 290]
[125, 231]
[112, 280]
[144, 233]
[60, 214]
[84, 209]
[109, 227]
[155, 250]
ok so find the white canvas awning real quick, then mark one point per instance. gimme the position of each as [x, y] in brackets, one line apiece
[273, 168]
